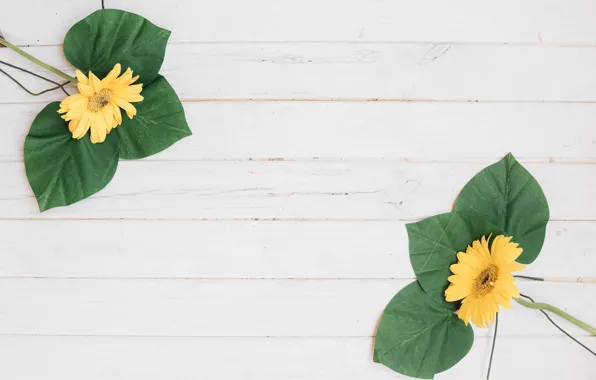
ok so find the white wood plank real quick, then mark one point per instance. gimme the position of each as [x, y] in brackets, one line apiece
[531, 21]
[128, 358]
[413, 71]
[39, 22]
[296, 190]
[151, 307]
[385, 20]
[410, 131]
[257, 249]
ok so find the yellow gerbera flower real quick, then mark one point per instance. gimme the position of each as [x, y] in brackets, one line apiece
[483, 279]
[97, 106]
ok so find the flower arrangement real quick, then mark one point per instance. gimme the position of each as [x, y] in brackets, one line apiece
[73, 147]
[464, 263]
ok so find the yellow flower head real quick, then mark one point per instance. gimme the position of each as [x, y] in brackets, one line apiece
[482, 279]
[97, 106]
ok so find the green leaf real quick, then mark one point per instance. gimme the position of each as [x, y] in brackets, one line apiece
[159, 122]
[506, 194]
[111, 36]
[62, 170]
[418, 337]
[434, 244]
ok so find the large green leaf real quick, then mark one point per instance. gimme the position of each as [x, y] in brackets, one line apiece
[159, 122]
[434, 244]
[508, 195]
[418, 337]
[111, 36]
[62, 170]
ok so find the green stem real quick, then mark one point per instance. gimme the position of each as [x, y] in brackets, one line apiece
[37, 61]
[559, 312]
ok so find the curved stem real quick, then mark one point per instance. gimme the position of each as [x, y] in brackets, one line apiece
[36, 61]
[492, 350]
[559, 312]
[58, 85]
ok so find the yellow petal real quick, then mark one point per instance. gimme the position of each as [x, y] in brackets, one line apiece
[85, 89]
[80, 129]
[95, 82]
[471, 260]
[464, 311]
[81, 77]
[126, 106]
[480, 251]
[484, 244]
[455, 279]
[112, 75]
[507, 288]
[117, 113]
[504, 251]
[132, 98]
[511, 267]
[108, 116]
[126, 78]
[72, 125]
[458, 292]
[502, 299]
[487, 308]
[73, 106]
[130, 93]
[70, 100]
[463, 270]
[98, 128]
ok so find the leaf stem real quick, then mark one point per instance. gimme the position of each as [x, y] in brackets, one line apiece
[37, 61]
[559, 312]
[58, 85]
[492, 350]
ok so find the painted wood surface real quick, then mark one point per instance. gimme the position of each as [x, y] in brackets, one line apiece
[255, 307]
[364, 131]
[293, 190]
[266, 245]
[280, 249]
[416, 71]
[269, 358]
[505, 21]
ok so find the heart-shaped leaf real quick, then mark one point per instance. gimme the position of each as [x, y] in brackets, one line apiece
[62, 170]
[434, 244]
[159, 122]
[507, 195]
[418, 337]
[109, 36]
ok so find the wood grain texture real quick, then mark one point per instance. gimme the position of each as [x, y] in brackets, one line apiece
[37, 22]
[385, 20]
[148, 307]
[387, 131]
[292, 190]
[246, 249]
[509, 21]
[267, 245]
[371, 71]
[131, 358]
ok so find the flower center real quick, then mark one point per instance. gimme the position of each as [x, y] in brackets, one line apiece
[100, 100]
[486, 280]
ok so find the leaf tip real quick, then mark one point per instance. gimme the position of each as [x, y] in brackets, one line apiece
[509, 157]
[43, 205]
[376, 358]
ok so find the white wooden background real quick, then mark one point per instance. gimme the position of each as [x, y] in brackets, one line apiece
[267, 245]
